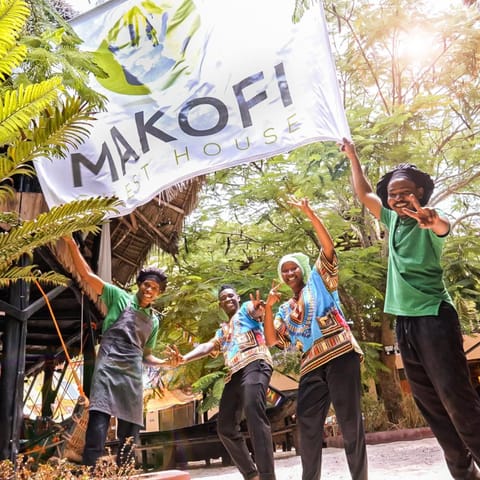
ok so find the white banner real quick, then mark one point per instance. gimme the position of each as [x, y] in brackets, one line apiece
[197, 86]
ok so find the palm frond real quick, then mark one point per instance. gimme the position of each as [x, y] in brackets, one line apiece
[13, 15]
[10, 58]
[48, 227]
[30, 274]
[10, 218]
[59, 129]
[18, 107]
[8, 168]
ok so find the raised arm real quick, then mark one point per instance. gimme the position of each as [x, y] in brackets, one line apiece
[320, 230]
[83, 268]
[361, 185]
[271, 336]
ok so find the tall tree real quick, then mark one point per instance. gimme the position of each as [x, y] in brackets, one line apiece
[405, 103]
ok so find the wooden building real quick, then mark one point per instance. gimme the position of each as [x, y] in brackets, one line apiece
[471, 346]
[29, 339]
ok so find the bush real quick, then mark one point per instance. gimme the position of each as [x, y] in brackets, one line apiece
[375, 418]
[412, 416]
[61, 469]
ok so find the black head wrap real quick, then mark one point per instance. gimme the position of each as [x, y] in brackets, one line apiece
[152, 273]
[410, 171]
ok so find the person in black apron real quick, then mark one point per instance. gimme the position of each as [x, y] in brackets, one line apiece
[129, 333]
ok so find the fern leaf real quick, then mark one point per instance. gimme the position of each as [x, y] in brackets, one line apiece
[13, 15]
[48, 227]
[18, 107]
[58, 130]
[11, 59]
[30, 274]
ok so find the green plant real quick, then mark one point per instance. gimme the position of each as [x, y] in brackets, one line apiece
[211, 385]
[37, 119]
[412, 416]
[375, 418]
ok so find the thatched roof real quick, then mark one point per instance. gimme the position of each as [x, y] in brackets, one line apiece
[159, 222]
[156, 224]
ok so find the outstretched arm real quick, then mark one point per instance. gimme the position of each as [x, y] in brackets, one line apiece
[361, 185]
[322, 233]
[83, 268]
[199, 351]
[173, 357]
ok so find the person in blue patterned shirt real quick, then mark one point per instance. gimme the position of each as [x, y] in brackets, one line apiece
[249, 363]
[312, 321]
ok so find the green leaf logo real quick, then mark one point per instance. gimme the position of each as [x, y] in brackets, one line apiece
[147, 47]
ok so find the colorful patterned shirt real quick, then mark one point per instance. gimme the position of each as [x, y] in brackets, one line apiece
[315, 323]
[241, 340]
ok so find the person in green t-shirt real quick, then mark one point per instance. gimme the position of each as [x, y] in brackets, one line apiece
[129, 333]
[427, 328]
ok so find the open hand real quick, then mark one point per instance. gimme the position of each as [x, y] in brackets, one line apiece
[300, 203]
[174, 357]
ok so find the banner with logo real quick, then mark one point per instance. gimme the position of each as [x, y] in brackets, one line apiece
[197, 86]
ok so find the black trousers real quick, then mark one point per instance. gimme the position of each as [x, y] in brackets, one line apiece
[246, 392]
[436, 368]
[96, 436]
[337, 382]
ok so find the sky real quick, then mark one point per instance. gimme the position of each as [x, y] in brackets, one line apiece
[82, 5]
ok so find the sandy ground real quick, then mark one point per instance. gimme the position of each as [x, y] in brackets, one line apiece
[406, 460]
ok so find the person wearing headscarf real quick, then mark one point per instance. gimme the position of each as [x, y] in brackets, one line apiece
[313, 322]
[129, 333]
[427, 327]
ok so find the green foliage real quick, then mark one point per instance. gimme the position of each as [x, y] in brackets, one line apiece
[287, 361]
[300, 7]
[412, 416]
[37, 119]
[462, 271]
[375, 418]
[49, 226]
[18, 107]
[211, 385]
[53, 49]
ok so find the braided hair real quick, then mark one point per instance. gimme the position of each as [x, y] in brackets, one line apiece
[412, 173]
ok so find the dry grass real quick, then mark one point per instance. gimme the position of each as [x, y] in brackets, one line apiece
[26, 468]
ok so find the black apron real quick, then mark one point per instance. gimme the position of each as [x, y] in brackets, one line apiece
[117, 386]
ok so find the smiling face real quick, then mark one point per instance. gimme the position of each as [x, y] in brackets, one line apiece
[292, 276]
[148, 292]
[399, 191]
[229, 301]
